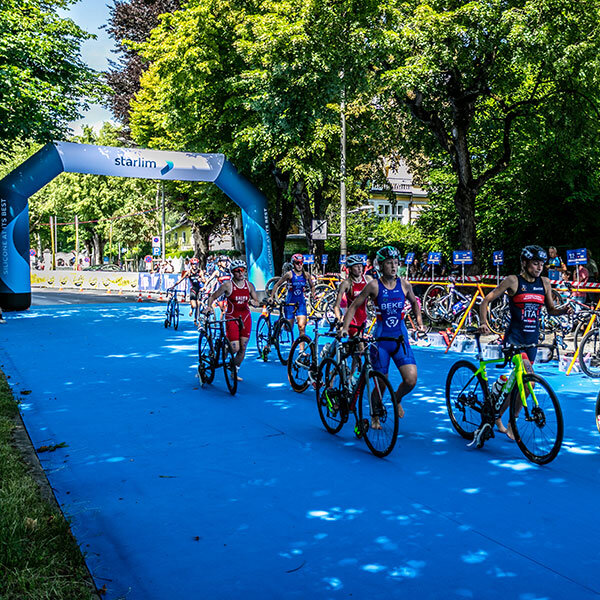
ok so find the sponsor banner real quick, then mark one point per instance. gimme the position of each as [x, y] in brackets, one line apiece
[86, 280]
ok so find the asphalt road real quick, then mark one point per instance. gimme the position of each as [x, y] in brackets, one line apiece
[49, 297]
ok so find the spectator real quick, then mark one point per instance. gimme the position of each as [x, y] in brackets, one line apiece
[369, 267]
[592, 267]
[564, 285]
[555, 265]
[414, 269]
[169, 268]
[584, 275]
[185, 267]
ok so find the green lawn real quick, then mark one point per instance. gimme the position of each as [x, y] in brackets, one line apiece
[39, 559]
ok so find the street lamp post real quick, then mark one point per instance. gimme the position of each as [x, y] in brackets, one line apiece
[343, 208]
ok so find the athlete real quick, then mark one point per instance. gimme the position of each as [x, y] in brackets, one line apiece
[196, 279]
[238, 292]
[527, 293]
[349, 289]
[389, 293]
[297, 279]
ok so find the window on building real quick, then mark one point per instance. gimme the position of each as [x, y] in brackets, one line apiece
[183, 237]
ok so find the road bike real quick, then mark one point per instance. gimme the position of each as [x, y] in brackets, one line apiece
[215, 350]
[304, 358]
[172, 312]
[368, 396]
[448, 304]
[535, 416]
[278, 333]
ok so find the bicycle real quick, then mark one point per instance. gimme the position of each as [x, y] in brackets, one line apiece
[172, 313]
[535, 413]
[215, 350]
[448, 305]
[279, 334]
[303, 363]
[376, 419]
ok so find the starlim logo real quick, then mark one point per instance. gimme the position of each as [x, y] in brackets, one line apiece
[166, 168]
[123, 161]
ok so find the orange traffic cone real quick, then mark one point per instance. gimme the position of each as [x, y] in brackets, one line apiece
[139, 297]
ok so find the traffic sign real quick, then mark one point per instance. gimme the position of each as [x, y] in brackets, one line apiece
[156, 242]
[309, 259]
[155, 251]
[499, 257]
[148, 258]
[434, 258]
[410, 256]
[32, 253]
[319, 229]
[462, 257]
[577, 257]
[342, 259]
[324, 259]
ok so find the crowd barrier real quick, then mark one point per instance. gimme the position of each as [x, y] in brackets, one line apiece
[108, 281]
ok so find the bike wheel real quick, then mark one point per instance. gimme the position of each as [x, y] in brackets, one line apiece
[498, 315]
[206, 362]
[537, 425]
[229, 367]
[176, 316]
[589, 353]
[434, 303]
[330, 396]
[263, 333]
[168, 315]
[378, 414]
[302, 361]
[597, 412]
[284, 340]
[465, 397]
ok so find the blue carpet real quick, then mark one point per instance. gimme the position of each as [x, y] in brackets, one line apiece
[177, 491]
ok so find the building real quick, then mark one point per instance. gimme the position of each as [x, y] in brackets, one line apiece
[409, 201]
[180, 238]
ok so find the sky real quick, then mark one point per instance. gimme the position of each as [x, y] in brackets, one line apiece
[90, 15]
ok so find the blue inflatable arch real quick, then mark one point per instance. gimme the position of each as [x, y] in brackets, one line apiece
[54, 158]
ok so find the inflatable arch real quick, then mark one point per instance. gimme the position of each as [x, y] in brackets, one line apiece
[54, 158]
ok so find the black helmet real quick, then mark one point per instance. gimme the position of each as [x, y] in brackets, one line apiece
[387, 252]
[534, 252]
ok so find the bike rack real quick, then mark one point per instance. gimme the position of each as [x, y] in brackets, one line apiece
[576, 355]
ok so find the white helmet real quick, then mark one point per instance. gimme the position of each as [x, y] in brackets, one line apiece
[237, 264]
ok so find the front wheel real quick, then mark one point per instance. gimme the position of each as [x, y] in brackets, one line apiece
[284, 340]
[175, 316]
[206, 364]
[589, 353]
[435, 302]
[263, 332]
[333, 408]
[465, 397]
[229, 367]
[378, 414]
[536, 421]
[301, 362]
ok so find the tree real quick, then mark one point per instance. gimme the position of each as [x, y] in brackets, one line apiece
[459, 77]
[130, 20]
[43, 82]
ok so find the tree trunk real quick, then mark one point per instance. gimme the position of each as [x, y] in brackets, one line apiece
[237, 234]
[280, 218]
[464, 201]
[302, 202]
[97, 249]
[200, 242]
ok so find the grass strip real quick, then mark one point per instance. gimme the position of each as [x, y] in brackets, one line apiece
[39, 558]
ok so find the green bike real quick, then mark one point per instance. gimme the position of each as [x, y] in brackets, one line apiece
[535, 416]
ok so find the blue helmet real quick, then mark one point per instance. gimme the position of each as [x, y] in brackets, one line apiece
[387, 252]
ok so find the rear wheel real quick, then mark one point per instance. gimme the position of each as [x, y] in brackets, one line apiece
[263, 330]
[465, 396]
[332, 406]
[589, 353]
[378, 414]
[229, 367]
[285, 339]
[302, 361]
[434, 303]
[536, 424]
[176, 315]
[206, 364]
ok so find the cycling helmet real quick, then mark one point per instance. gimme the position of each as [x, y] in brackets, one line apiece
[298, 258]
[237, 264]
[387, 252]
[194, 261]
[354, 259]
[534, 252]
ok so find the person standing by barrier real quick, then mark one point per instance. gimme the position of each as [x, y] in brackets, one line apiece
[527, 293]
[555, 265]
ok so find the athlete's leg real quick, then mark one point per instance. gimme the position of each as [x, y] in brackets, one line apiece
[409, 381]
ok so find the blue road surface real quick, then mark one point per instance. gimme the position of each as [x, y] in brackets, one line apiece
[182, 492]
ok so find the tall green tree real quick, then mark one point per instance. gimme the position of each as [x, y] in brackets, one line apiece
[43, 82]
[459, 78]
